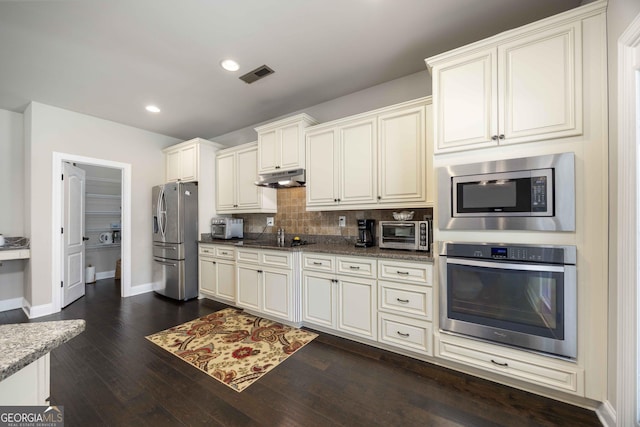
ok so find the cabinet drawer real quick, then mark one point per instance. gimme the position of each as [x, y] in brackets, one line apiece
[413, 272]
[225, 252]
[248, 256]
[318, 262]
[405, 299]
[547, 372]
[356, 266]
[276, 259]
[207, 250]
[405, 333]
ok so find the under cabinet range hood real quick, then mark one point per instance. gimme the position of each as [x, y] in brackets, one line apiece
[282, 179]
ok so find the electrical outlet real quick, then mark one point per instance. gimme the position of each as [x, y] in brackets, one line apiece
[342, 221]
[269, 221]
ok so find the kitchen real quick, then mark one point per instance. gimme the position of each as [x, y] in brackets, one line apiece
[146, 174]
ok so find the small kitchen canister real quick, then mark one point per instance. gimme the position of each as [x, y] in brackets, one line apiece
[1, 240]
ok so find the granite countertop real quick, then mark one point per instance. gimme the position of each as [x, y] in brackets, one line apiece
[24, 343]
[333, 246]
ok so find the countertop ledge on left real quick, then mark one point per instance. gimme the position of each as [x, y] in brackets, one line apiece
[24, 343]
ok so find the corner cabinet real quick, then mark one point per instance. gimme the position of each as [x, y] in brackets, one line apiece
[236, 174]
[281, 144]
[376, 160]
[523, 86]
[216, 272]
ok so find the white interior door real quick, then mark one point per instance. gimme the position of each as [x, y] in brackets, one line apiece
[73, 183]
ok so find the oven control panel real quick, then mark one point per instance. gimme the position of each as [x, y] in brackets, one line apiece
[502, 252]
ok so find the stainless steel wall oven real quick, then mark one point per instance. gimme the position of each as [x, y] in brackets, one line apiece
[519, 295]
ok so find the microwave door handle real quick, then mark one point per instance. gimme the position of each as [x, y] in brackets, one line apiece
[507, 266]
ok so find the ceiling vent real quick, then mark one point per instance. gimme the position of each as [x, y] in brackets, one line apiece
[257, 74]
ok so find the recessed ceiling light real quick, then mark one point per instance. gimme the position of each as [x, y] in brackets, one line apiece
[230, 65]
[152, 109]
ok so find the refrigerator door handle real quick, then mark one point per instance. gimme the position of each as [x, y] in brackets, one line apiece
[163, 246]
[162, 213]
[169, 264]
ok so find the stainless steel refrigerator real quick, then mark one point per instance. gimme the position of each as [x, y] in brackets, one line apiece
[175, 239]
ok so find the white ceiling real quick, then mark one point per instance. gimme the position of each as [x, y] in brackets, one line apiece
[110, 58]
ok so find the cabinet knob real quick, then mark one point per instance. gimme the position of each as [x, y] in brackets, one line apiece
[335, 200]
[494, 137]
[501, 136]
[379, 197]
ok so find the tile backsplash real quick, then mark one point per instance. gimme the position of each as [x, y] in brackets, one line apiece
[293, 217]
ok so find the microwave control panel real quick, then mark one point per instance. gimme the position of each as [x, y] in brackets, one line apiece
[539, 193]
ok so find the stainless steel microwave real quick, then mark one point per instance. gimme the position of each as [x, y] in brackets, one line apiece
[532, 193]
[409, 235]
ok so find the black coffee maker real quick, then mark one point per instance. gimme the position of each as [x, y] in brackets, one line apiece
[366, 233]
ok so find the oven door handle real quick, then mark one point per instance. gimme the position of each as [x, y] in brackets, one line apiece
[506, 265]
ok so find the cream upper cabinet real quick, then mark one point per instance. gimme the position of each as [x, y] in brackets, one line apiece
[402, 154]
[341, 165]
[524, 87]
[281, 144]
[236, 173]
[195, 160]
[182, 161]
[375, 160]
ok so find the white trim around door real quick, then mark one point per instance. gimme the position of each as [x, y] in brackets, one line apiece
[56, 218]
[627, 267]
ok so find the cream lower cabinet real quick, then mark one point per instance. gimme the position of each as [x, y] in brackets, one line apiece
[376, 160]
[217, 272]
[339, 293]
[532, 368]
[405, 305]
[265, 283]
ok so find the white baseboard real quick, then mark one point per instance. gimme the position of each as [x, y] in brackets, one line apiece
[11, 304]
[38, 310]
[105, 275]
[141, 289]
[607, 414]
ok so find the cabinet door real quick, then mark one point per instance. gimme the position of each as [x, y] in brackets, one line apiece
[246, 175]
[189, 163]
[357, 306]
[277, 293]
[226, 182]
[540, 85]
[172, 166]
[402, 154]
[465, 102]
[226, 280]
[318, 299]
[291, 147]
[321, 170]
[248, 286]
[358, 163]
[207, 275]
[267, 151]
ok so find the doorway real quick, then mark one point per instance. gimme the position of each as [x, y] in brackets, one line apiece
[123, 170]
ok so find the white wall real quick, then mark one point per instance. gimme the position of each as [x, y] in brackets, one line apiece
[51, 129]
[620, 13]
[11, 202]
[392, 92]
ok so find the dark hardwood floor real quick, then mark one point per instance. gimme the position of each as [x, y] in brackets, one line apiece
[111, 375]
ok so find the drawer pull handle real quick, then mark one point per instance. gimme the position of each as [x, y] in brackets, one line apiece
[404, 301]
[404, 273]
[504, 365]
[224, 253]
[317, 263]
[354, 267]
[206, 250]
[406, 335]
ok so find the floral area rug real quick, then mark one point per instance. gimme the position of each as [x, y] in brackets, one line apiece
[231, 346]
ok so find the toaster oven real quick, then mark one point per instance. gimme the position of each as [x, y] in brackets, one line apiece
[409, 235]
